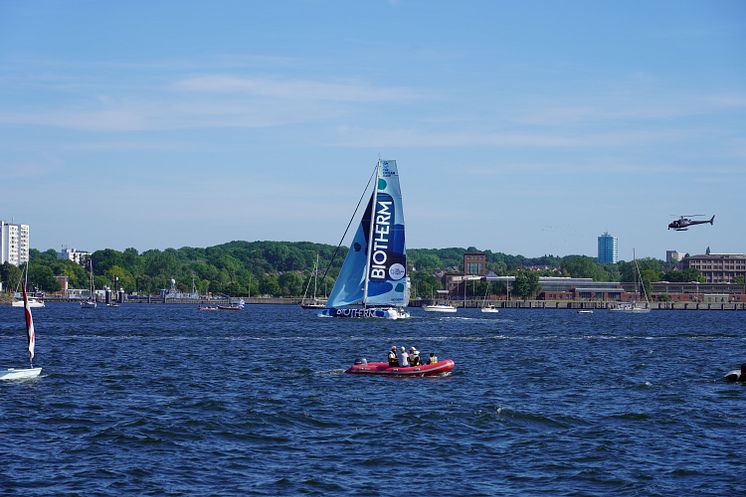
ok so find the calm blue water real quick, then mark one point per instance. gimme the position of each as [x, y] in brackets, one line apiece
[167, 400]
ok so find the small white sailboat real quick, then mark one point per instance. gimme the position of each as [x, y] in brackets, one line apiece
[314, 302]
[90, 302]
[373, 281]
[634, 307]
[20, 374]
[32, 301]
[488, 308]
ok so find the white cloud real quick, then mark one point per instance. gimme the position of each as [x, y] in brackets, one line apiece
[412, 138]
[343, 91]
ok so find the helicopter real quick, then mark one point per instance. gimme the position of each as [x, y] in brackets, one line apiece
[684, 222]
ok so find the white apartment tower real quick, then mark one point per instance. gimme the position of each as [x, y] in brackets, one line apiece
[14, 243]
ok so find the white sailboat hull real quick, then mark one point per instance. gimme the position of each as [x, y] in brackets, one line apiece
[490, 309]
[32, 302]
[391, 313]
[19, 374]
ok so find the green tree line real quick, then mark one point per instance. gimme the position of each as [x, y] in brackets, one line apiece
[284, 268]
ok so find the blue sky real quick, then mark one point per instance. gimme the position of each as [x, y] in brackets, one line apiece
[522, 127]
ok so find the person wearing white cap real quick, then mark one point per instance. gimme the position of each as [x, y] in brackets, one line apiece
[414, 356]
[393, 358]
[403, 358]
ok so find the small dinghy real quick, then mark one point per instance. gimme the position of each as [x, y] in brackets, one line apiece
[737, 375]
[32, 372]
[362, 366]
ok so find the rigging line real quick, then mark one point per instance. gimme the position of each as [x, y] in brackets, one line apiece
[334, 255]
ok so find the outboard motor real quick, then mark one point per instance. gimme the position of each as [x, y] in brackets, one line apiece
[361, 361]
[737, 375]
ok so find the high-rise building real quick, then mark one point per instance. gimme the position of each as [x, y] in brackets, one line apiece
[70, 254]
[608, 250]
[14, 243]
[673, 256]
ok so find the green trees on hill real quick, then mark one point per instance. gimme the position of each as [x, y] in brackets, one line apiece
[283, 269]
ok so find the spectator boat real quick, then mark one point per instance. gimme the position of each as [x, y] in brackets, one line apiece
[440, 368]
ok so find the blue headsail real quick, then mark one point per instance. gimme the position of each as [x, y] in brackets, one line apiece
[378, 248]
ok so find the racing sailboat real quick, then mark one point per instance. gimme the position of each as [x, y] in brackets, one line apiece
[373, 281]
[19, 374]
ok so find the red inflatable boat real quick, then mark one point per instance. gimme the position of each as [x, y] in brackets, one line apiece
[382, 368]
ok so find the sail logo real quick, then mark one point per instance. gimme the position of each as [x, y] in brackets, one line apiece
[381, 233]
[396, 271]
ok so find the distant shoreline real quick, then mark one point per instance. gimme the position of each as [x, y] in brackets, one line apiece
[469, 304]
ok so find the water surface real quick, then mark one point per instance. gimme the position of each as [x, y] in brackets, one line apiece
[168, 400]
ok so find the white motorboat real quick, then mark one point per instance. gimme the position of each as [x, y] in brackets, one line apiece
[490, 309]
[439, 308]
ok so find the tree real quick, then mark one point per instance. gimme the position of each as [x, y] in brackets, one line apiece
[581, 266]
[11, 276]
[526, 283]
[43, 278]
[683, 275]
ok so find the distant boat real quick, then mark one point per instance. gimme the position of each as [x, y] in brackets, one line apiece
[314, 302]
[634, 307]
[488, 308]
[373, 281]
[19, 374]
[32, 301]
[585, 311]
[208, 308]
[232, 307]
[90, 302]
[439, 308]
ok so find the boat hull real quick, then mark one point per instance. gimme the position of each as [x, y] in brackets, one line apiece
[439, 308]
[632, 310]
[31, 303]
[491, 310]
[361, 313]
[19, 374]
[383, 369]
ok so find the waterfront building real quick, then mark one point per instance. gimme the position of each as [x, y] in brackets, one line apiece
[475, 263]
[14, 243]
[717, 267]
[608, 249]
[70, 254]
[552, 287]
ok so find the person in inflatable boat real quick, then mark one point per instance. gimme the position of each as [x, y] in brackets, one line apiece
[393, 358]
[403, 358]
[414, 357]
[433, 358]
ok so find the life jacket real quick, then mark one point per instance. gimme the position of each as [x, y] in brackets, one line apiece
[393, 359]
[414, 360]
[432, 360]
